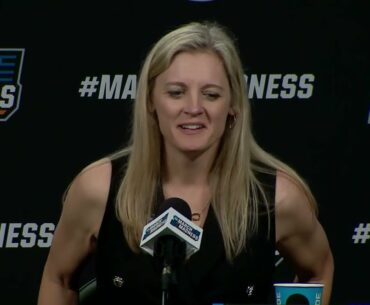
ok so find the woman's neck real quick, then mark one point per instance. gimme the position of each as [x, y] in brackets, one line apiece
[188, 178]
[181, 169]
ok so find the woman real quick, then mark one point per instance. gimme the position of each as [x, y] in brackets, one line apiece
[191, 139]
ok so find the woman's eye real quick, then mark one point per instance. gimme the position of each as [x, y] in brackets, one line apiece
[211, 95]
[175, 93]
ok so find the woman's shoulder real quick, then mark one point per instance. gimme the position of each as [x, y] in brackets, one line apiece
[294, 211]
[93, 182]
[291, 193]
[86, 197]
[90, 187]
[94, 179]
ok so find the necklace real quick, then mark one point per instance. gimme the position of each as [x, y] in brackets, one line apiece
[196, 216]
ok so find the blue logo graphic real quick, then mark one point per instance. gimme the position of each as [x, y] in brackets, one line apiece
[155, 226]
[184, 227]
[11, 61]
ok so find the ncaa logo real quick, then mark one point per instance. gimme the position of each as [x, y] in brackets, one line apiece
[11, 61]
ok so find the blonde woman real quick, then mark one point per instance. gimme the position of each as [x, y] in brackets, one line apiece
[192, 139]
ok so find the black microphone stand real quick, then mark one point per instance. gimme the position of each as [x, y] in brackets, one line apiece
[171, 252]
[166, 281]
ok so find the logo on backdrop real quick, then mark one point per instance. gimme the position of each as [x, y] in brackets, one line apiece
[361, 233]
[109, 87]
[11, 61]
[26, 235]
[280, 86]
[260, 86]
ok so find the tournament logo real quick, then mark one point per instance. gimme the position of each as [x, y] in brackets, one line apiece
[11, 61]
[155, 226]
[185, 228]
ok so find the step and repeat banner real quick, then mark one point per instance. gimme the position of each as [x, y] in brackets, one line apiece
[68, 76]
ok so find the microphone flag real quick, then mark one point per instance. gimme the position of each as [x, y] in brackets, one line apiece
[171, 222]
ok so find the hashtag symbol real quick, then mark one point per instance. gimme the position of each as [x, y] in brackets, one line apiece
[361, 233]
[88, 86]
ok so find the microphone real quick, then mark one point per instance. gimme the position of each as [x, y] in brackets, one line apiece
[172, 219]
[171, 236]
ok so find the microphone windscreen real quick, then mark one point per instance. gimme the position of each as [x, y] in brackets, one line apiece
[176, 203]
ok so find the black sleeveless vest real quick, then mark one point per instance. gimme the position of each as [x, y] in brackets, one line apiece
[125, 277]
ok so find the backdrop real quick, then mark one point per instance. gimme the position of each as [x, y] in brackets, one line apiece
[68, 76]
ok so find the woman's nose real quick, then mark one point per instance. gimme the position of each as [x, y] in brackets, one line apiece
[194, 105]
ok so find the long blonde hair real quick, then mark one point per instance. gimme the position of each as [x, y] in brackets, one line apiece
[236, 190]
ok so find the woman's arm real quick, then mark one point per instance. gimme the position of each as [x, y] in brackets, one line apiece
[300, 237]
[75, 236]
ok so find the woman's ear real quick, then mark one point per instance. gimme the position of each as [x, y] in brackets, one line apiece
[232, 112]
[231, 118]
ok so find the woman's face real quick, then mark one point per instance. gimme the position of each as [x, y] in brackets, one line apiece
[192, 102]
